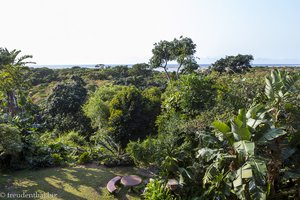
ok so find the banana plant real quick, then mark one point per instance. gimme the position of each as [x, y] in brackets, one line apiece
[247, 162]
[280, 89]
[280, 85]
[246, 175]
[283, 92]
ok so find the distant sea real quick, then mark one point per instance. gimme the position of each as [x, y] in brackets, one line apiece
[171, 66]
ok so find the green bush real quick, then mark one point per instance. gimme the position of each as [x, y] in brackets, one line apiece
[84, 158]
[36, 153]
[97, 106]
[69, 145]
[40, 161]
[57, 159]
[10, 142]
[189, 95]
[143, 153]
[11, 145]
[128, 118]
[108, 152]
[169, 152]
[123, 112]
[157, 190]
[42, 75]
[75, 137]
[122, 160]
[50, 149]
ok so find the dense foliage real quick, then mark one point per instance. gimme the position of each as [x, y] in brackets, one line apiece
[182, 51]
[123, 112]
[63, 109]
[10, 145]
[252, 156]
[233, 64]
[221, 135]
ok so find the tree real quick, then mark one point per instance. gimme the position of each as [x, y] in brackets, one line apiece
[140, 70]
[124, 113]
[101, 66]
[128, 119]
[182, 51]
[139, 75]
[63, 110]
[11, 76]
[189, 67]
[97, 106]
[233, 64]
[11, 58]
[152, 106]
[10, 81]
[42, 75]
[162, 54]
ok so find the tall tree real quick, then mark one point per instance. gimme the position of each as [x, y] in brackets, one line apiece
[181, 50]
[184, 50]
[162, 54]
[11, 76]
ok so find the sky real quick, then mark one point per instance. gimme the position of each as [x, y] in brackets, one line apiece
[124, 31]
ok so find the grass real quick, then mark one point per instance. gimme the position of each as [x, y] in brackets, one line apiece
[81, 182]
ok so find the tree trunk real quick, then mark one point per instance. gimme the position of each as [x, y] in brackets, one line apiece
[12, 103]
[177, 71]
[167, 73]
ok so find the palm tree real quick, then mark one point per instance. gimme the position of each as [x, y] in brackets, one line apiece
[11, 58]
[10, 73]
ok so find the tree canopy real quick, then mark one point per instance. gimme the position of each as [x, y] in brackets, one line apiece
[233, 64]
[63, 110]
[12, 58]
[12, 79]
[123, 112]
[181, 50]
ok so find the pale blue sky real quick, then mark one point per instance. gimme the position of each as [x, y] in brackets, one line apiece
[124, 31]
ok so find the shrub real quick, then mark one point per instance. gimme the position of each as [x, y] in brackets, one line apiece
[84, 158]
[190, 95]
[42, 75]
[69, 146]
[40, 161]
[10, 145]
[75, 137]
[124, 113]
[122, 160]
[236, 91]
[57, 159]
[108, 152]
[157, 190]
[97, 106]
[10, 142]
[169, 152]
[36, 153]
[143, 153]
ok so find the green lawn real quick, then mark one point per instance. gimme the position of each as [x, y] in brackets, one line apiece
[82, 182]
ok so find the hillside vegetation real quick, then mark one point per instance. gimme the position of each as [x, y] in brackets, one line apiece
[227, 132]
